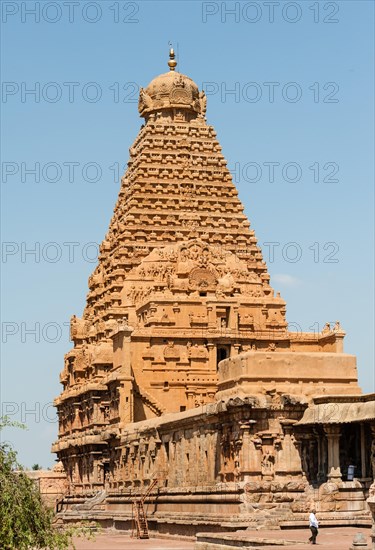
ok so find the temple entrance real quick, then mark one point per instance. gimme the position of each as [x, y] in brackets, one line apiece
[355, 454]
[223, 352]
[353, 458]
[350, 452]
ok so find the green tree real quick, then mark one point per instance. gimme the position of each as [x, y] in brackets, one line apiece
[26, 523]
[36, 467]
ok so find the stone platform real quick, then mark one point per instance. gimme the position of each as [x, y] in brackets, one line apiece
[228, 541]
[328, 539]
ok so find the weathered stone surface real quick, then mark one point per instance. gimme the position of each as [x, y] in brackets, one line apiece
[52, 484]
[228, 541]
[183, 369]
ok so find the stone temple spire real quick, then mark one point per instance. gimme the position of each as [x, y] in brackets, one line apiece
[179, 265]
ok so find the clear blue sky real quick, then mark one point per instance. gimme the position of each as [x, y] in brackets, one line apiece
[302, 78]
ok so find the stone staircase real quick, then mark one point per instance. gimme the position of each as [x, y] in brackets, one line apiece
[270, 519]
[150, 401]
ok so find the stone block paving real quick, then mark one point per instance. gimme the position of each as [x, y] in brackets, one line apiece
[330, 538]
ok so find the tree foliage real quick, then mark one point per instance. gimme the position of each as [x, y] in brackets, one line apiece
[25, 522]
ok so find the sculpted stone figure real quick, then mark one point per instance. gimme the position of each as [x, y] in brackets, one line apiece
[145, 101]
[111, 325]
[268, 461]
[203, 103]
[226, 283]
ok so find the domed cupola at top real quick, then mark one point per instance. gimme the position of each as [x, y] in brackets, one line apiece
[172, 94]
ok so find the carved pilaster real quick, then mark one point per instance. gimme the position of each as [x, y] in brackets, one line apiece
[211, 354]
[333, 433]
[250, 456]
[288, 460]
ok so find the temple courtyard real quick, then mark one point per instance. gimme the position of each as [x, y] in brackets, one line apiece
[329, 538]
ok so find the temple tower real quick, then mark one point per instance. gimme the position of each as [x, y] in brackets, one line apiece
[180, 285]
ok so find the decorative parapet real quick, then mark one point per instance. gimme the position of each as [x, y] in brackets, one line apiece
[310, 374]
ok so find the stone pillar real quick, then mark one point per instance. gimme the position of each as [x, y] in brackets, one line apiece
[76, 473]
[333, 432]
[250, 457]
[372, 458]
[190, 393]
[126, 401]
[122, 361]
[320, 473]
[236, 349]
[320, 461]
[211, 314]
[363, 452]
[209, 448]
[339, 341]
[211, 355]
[324, 446]
[371, 503]
[121, 338]
[233, 324]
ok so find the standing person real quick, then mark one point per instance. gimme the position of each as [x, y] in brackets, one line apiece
[314, 524]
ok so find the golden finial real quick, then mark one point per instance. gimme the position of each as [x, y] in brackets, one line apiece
[172, 62]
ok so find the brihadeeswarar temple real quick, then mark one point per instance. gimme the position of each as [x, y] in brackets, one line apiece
[187, 404]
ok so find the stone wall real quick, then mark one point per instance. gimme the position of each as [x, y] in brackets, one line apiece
[51, 484]
[236, 463]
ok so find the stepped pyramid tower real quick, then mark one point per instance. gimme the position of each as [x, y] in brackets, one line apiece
[180, 275]
[180, 319]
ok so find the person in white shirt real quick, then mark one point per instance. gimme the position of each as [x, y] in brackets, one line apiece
[314, 524]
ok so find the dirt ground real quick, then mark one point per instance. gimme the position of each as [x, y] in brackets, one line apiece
[125, 542]
[329, 538]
